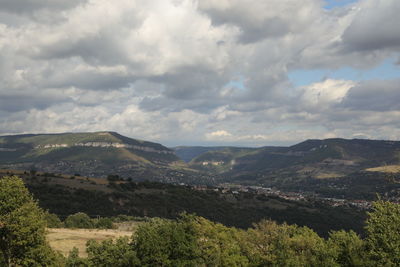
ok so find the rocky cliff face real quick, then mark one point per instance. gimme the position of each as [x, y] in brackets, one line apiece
[105, 145]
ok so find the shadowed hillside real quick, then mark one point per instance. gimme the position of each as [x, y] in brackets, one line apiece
[320, 159]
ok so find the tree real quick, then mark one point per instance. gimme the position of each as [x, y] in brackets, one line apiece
[383, 228]
[219, 245]
[79, 220]
[103, 223]
[53, 221]
[108, 253]
[271, 244]
[348, 248]
[22, 227]
[167, 243]
[73, 259]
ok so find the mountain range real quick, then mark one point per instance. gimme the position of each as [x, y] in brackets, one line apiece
[99, 154]
[320, 159]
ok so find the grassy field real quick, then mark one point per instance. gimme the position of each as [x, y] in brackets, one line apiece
[63, 240]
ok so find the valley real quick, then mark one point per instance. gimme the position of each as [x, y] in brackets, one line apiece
[355, 169]
[64, 195]
[324, 184]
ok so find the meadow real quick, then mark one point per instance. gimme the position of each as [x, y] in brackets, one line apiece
[64, 239]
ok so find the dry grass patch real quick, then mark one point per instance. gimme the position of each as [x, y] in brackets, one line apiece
[63, 240]
[326, 175]
[388, 168]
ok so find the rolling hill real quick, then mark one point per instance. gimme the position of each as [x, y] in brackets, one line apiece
[319, 159]
[93, 154]
[100, 154]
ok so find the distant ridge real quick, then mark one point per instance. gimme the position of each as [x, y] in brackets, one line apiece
[314, 158]
[98, 154]
[91, 154]
[187, 153]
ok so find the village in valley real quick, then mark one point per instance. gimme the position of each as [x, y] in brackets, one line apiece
[236, 189]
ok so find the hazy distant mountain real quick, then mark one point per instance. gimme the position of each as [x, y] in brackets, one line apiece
[93, 154]
[187, 153]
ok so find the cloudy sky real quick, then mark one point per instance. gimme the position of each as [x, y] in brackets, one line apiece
[202, 72]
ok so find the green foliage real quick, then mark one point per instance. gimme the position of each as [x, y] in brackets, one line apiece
[195, 241]
[219, 245]
[270, 244]
[103, 223]
[167, 243]
[83, 221]
[305, 248]
[109, 253]
[383, 228]
[79, 220]
[348, 248]
[73, 259]
[52, 220]
[22, 227]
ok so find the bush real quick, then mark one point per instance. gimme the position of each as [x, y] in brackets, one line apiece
[73, 259]
[79, 220]
[103, 223]
[52, 220]
[109, 253]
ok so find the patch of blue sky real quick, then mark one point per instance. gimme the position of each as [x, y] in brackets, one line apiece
[239, 83]
[385, 71]
[306, 77]
[329, 4]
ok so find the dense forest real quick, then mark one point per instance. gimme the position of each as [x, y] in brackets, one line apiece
[66, 196]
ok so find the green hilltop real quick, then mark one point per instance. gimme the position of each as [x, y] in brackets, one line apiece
[105, 146]
[92, 154]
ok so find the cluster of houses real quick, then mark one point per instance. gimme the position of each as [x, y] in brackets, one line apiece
[293, 196]
[336, 202]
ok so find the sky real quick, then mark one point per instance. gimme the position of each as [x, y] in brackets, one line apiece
[202, 72]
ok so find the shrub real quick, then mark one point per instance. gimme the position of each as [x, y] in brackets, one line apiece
[79, 220]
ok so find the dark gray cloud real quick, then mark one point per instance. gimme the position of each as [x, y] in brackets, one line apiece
[18, 102]
[98, 49]
[191, 82]
[376, 26]
[193, 87]
[90, 80]
[164, 104]
[257, 21]
[250, 32]
[374, 96]
[30, 6]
